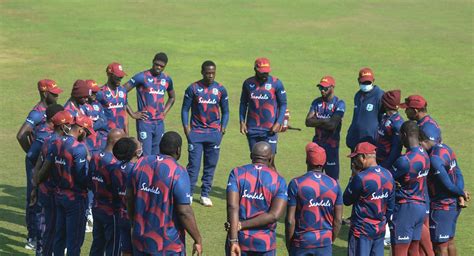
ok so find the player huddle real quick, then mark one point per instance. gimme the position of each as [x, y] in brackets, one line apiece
[84, 172]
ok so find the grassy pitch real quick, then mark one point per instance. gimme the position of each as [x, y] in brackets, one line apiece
[420, 47]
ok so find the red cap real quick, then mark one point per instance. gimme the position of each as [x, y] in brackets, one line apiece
[366, 74]
[62, 117]
[315, 155]
[414, 101]
[363, 148]
[80, 89]
[85, 122]
[391, 99]
[47, 85]
[116, 69]
[93, 85]
[327, 81]
[263, 65]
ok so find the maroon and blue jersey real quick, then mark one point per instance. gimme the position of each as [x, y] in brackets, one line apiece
[205, 102]
[315, 196]
[257, 185]
[158, 183]
[262, 105]
[410, 171]
[36, 119]
[120, 178]
[76, 110]
[70, 167]
[325, 110]
[389, 145]
[102, 166]
[48, 185]
[430, 128]
[372, 194]
[151, 92]
[445, 181]
[95, 111]
[115, 106]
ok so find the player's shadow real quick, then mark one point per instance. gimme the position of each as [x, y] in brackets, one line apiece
[219, 192]
[12, 208]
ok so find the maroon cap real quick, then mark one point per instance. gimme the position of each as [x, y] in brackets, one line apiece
[80, 89]
[85, 122]
[414, 101]
[315, 155]
[62, 117]
[363, 148]
[263, 65]
[327, 81]
[391, 99]
[116, 69]
[48, 85]
[93, 85]
[366, 74]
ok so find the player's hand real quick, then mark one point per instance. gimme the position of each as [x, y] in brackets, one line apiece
[275, 128]
[243, 128]
[197, 249]
[33, 197]
[461, 202]
[235, 249]
[142, 115]
[467, 196]
[223, 130]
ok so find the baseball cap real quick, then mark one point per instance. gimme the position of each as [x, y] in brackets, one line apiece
[116, 69]
[366, 74]
[85, 122]
[391, 99]
[315, 155]
[414, 101]
[48, 85]
[80, 89]
[327, 81]
[263, 65]
[363, 148]
[62, 117]
[92, 84]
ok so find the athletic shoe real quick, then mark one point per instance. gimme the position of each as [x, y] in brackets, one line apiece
[89, 224]
[206, 201]
[30, 244]
[346, 221]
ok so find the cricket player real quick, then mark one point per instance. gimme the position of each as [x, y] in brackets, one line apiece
[409, 171]
[62, 121]
[325, 115]
[416, 108]
[389, 145]
[106, 205]
[209, 106]
[159, 203]
[113, 98]
[77, 103]
[68, 165]
[151, 87]
[314, 211]
[35, 121]
[367, 110]
[262, 106]
[256, 199]
[371, 192]
[128, 151]
[446, 191]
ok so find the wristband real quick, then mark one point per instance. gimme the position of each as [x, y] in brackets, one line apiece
[236, 240]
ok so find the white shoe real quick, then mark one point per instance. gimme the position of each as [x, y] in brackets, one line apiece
[206, 201]
[30, 244]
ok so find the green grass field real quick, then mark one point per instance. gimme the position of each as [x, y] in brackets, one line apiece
[420, 47]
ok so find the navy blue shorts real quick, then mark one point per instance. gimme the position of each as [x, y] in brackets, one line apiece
[320, 251]
[443, 225]
[407, 222]
[364, 246]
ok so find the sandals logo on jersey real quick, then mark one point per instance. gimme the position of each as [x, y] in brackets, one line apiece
[121, 94]
[215, 91]
[150, 189]
[143, 135]
[369, 107]
[158, 92]
[163, 82]
[268, 87]
[321, 203]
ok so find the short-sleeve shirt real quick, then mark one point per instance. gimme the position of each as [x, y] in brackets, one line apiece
[325, 110]
[388, 131]
[115, 106]
[151, 92]
[258, 186]
[315, 196]
[102, 166]
[159, 183]
[430, 128]
[36, 119]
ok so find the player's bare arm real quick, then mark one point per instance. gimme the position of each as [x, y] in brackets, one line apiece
[24, 137]
[337, 221]
[289, 225]
[233, 219]
[170, 101]
[187, 219]
[276, 211]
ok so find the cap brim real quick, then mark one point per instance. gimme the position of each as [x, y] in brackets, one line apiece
[365, 79]
[119, 73]
[56, 90]
[264, 70]
[325, 84]
[403, 105]
[353, 154]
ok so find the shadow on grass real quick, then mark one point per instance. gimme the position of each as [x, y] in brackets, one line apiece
[9, 238]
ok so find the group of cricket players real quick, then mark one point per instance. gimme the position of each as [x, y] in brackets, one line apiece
[85, 173]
